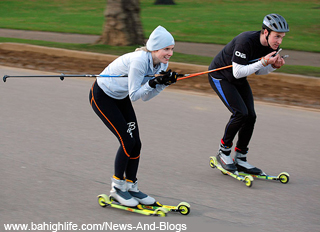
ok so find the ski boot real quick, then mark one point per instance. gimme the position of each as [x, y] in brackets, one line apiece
[242, 165]
[120, 193]
[141, 197]
[224, 158]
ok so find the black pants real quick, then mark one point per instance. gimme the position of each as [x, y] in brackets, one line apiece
[120, 118]
[238, 98]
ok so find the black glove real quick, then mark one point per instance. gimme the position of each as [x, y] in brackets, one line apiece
[170, 77]
[166, 78]
[157, 80]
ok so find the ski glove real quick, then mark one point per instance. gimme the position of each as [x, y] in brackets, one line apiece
[157, 80]
[170, 77]
[165, 78]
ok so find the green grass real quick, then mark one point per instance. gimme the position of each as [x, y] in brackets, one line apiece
[177, 57]
[202, 21]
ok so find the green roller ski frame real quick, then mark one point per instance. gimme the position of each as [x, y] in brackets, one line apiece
[183, 207]
[105, 200]
[283, 177]
[247, 179]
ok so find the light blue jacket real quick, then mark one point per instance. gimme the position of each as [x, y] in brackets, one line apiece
[137, 65]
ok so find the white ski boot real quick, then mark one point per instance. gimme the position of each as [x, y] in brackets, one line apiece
[224, 158]
[120, 193]
[242, 165]
[141, 197]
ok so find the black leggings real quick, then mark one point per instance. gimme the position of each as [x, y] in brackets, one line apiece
[120, 118]
[238, 98]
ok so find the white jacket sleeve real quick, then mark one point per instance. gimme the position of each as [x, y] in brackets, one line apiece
[136, 77]
[240, 71]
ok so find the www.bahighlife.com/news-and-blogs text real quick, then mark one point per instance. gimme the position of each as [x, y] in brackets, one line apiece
[104, 226]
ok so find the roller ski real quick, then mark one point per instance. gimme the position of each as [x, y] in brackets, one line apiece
[244, 169]
[125, 195]
[283, 177]
[247, 179]
[104, 201]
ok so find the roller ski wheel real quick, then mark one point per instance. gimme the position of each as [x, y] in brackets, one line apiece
[247, 179]
[183, 207]
[283, 177]
[104, 200]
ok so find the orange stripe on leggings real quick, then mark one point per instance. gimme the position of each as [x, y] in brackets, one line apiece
[92, 93]
[92, 99]
[135, 157]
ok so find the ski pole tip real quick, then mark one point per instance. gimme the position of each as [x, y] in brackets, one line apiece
[5, 78]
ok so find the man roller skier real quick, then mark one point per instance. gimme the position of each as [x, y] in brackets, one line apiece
[232, 86]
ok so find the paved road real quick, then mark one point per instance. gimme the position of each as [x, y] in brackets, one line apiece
[56, 157]
[211, 50]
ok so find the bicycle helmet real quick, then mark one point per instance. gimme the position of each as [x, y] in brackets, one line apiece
[275, 22]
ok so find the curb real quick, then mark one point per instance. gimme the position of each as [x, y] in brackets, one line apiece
[86, 55]
[178, 67]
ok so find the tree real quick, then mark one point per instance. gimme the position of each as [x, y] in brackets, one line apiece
[164, 2]
[122, 23]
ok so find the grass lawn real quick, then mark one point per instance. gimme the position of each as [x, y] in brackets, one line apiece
[202, 21]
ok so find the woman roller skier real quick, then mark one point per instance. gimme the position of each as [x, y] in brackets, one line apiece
[110, 98]
[232, 86]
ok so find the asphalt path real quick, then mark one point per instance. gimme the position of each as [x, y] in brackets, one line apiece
[57, 156]
[211, 50]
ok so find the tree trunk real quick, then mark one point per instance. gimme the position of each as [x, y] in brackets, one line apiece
[122, 24]
[164, 2]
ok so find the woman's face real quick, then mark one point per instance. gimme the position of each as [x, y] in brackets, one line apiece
[163, 55]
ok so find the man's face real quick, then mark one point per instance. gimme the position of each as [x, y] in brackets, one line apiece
[275, 39]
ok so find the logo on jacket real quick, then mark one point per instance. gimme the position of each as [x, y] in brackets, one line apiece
[241, 55]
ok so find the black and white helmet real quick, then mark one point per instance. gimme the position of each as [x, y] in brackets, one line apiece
[275, 22]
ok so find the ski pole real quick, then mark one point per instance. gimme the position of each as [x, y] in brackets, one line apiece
[283, 57]
[62, 76]
[201, 73]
